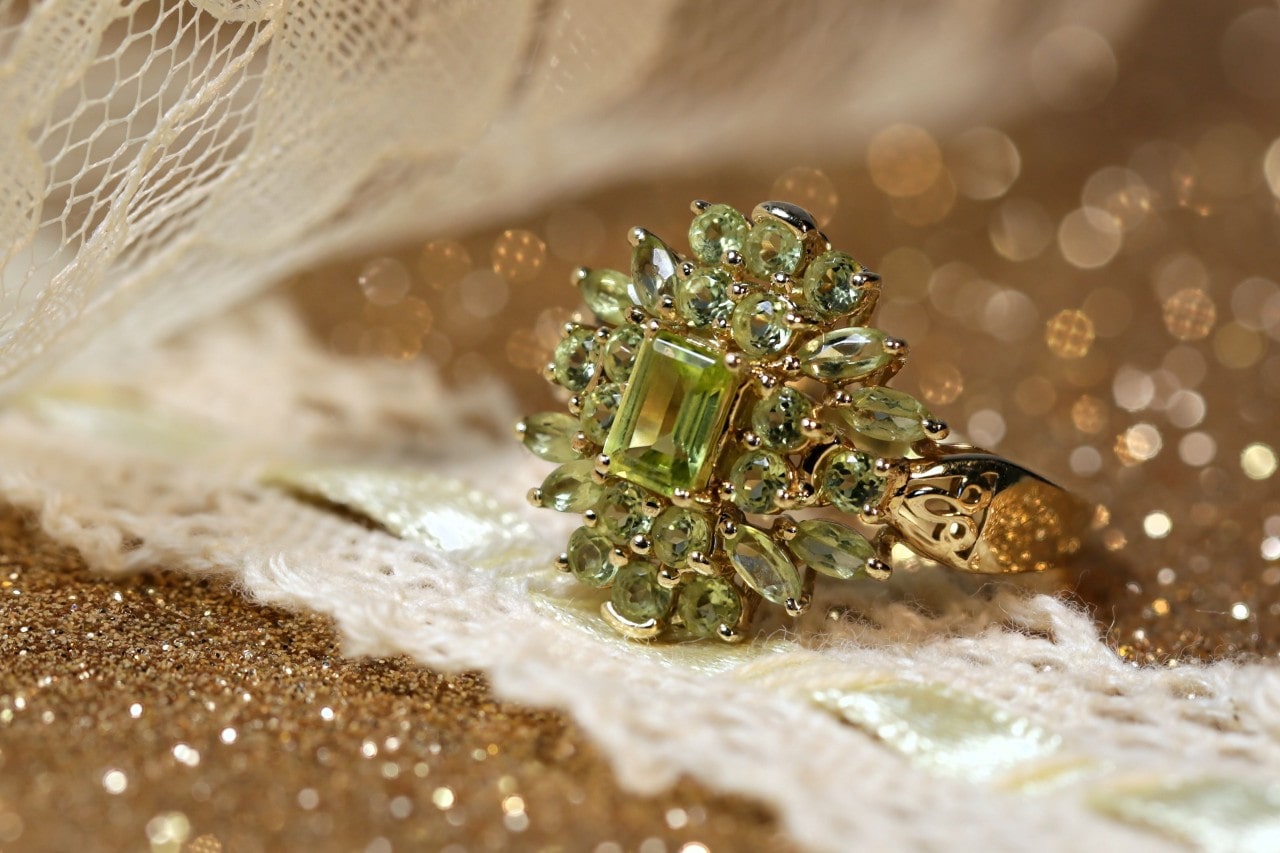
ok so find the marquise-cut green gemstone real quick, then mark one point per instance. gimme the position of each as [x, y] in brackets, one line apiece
[637, 595]
[653, 269]
[845, 354]
[885, 414]
[599, 410]
[847, 478]
[622, 511]
[764, 566]
[620, 352]
[589, 554]
[832, 285]
[678, 532]
[549, 436]
[760, 324]
[717, 230]
[757, 477]
[831, 548]
[706, 603]
[777, 417]
[574, 363]
[703, 298]
[607, 293]
[772, 248]
[570, 488]
[673, 413]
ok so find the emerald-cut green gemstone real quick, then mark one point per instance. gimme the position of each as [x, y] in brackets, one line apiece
[653, 269]
[760, 324]
[574, 363]
[607, 293]
[678, 532]
[622, 511]
[571, 488]
[757, 477]
[833, 285]
[673, 413]
[549, 436]
[706, 603]
[620, 352]
[772, 248]
[831, 548]
[717, 230]
[777, 418]
[589, 554]
[599, 410]
[885, 414]
[637, 595]
[703, 298]
[764, 566]
[845, 354]
[847, 478]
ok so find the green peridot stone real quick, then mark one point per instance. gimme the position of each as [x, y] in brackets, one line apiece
[549, 436]
[706, 603]
[574, 363]
[672, 416]
[760, 324]
[885, 414]
[777, 417]
[570, 488]
[607, 293]
[589, 554]
[637, 595]
[677, 533]
[620, 352]
[847, 478]
[764, 566]
[772, 248]
[653, 269]
[703, 298]
[845, 354]
[717, 230]
[757, 477]
[622, 511]
[833, 285]
[831, 548]
[599, 410]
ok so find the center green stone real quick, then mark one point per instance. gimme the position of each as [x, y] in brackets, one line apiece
[672, 415]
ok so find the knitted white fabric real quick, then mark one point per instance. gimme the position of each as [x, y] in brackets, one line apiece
[163, 470]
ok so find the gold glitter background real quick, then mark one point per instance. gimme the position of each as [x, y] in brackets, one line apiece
[1091, 290]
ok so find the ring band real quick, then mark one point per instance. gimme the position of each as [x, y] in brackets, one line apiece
[727, 414]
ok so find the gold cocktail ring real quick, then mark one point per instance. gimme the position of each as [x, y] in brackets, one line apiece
[725, 410]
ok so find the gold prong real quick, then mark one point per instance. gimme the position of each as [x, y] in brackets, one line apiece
[636, 236]
[735, 361]
[636, 314]
[882, 466]
[583, 445]
[733, 258]
[646, 630]
[878, 569]
[685, 269]
[590, 518]
[668, 577]
[936, 429]
[641, 544]
[579, 275]
[698, 206]
[796, 607]
[730, 634]
[749, 439]
[699, 562]
[575, 405]
[896, 346]
[838, 399]
[781, 279]
[521, 427]
[728, 527]
[785, 528]
[738, 289]
[562, 562]
[650, 507]
[619, 557]
[790, 363]
[683, 498]
[870, 515]
[549, 372]
[534, 497]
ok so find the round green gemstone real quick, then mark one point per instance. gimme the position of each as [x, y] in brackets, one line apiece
[589, 554]
[848, 479]
[571, 488]
[706, 603]
[885, 414]
[620, 352]
[637, 595]
[607, 294]
[549, 436]
[717, 230]
[833, 286]
[776, 418]
[845, 354]
[772, 248]
[760, 324]
[831, 548]
[574, 363]
[677, 533]
[757, 477]
[599, 409]
[622, 511]
[703, 298]
[653, 269]
[764, 566]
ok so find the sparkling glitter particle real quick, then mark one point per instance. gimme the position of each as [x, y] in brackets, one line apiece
[115, 781]
[1069, 333]
[1157, 524]
[1258, 461]
[1189, 314]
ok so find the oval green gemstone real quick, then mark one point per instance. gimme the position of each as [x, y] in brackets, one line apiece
[622, 511]
[599, 409]
[717, 230]
[833, 285]
[757, 477]
[703, 298]
[574, 363]
[653, 269]
[885, 414]
[570, 488]
[589, 554]
[847, 478]
[637, 595]
[764, 566]
[706, 603]
[772, 248]
[776, 418]
[620, 352]
[678, 532]
[607, 293]
[831, 548]
[760, 324]
[845, 354]
[549, 436]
